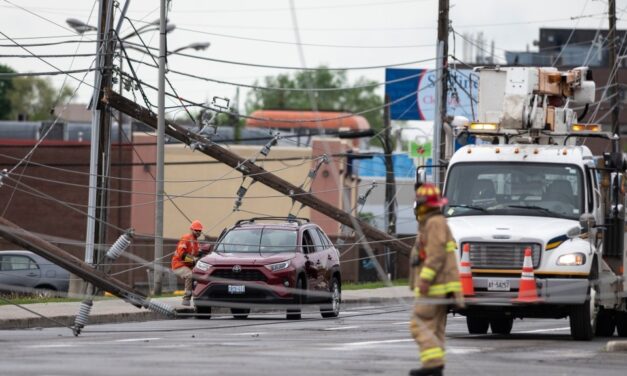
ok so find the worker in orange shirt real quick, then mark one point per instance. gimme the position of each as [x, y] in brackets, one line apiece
[185, 258]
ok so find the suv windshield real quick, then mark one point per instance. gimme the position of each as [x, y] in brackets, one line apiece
[258, 240]
[531, 189]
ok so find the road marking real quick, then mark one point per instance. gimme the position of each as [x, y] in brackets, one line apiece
[342, 327]
[401, 323]
[137, 339]
[543, 330]
[356, 345]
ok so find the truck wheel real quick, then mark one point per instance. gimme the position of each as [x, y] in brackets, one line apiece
[502, 326]
[583, 318]
[621, 323]
[605, 323]
[477, 325]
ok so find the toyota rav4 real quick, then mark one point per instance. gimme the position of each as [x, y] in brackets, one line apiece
[283, 261]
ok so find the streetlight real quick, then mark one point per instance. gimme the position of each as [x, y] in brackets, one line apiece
[80, 26]
[198, 46]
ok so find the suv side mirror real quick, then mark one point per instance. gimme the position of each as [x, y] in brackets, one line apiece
[587, 221]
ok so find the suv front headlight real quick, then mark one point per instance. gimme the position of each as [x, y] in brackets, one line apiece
[572, 259]
[201, 265]
[278, 266]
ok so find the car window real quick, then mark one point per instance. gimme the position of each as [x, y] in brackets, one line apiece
[308, 243]
[325, 240]
[18, 263]
[319, 243]
[246, 240]
[273, 240]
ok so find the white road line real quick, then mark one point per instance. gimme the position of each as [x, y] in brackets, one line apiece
[137, 339]
[542, 330]
[370, 343]
[342, 327]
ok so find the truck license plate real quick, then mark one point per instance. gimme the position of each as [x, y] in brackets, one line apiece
[498, 285]
[237, 289]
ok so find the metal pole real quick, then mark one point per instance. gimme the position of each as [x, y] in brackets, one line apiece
[612, 69]
[95, 135]
[437, 118]
[443, 21]
[390, 188]
[160, 151]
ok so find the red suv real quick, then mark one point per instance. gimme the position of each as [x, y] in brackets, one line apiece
[286, 261]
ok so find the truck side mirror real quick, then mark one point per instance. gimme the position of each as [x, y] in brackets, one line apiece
[573, 232]
[586, 221]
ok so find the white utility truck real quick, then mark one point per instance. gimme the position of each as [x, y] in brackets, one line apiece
[529, 181]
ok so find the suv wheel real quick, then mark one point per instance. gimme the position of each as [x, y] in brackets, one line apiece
[294, 314]
[240, 313]
[203, 312]
[332, 307]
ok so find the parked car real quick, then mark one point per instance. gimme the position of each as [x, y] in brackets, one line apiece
[21, 271]
[287, 261]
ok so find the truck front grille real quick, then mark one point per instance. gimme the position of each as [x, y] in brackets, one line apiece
[502, 255]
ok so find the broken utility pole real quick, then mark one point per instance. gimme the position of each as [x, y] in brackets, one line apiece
[253, 171]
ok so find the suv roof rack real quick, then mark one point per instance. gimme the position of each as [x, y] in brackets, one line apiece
[291, 219]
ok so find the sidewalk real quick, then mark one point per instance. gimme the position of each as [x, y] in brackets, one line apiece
[116, 310]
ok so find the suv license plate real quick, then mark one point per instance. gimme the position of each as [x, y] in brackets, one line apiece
[237, 289]
[498, 285]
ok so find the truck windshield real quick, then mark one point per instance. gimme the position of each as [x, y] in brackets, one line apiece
[531, 189]
[258, 240]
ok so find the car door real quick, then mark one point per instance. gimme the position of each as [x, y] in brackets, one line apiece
[19, 270]
[312, 260]
[322, 251]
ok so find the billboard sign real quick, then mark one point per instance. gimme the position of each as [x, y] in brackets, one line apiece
[412, 93]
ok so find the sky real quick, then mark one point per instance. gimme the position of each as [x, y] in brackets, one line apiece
[336, 33]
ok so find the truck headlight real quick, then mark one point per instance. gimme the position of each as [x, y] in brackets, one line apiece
[201, 265]
[572, 259]
[278, 266]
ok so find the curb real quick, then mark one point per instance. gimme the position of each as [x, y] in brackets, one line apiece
[616, 346]
[145, 315]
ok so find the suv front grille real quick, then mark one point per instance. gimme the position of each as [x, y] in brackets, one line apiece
[502, 255]
[243, 275]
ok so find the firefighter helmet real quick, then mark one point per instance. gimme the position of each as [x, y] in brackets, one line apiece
[429, 195]
[196, 226]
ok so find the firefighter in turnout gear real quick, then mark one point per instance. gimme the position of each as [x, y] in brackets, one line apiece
[434, 278]
[185, 257]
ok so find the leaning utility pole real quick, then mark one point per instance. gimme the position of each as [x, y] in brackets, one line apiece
[441, 96]
[158, 273]
[613, 68]
[255, 172]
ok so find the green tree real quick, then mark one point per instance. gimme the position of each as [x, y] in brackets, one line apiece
[35, 97]
[6, 86]
[352, 100]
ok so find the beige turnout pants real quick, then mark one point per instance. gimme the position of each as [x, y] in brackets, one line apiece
[185, 273]
[427, 326]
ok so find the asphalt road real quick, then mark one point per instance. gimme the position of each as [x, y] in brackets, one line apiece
[364, 340]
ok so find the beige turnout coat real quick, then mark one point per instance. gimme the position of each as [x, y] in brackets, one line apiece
[437, 263]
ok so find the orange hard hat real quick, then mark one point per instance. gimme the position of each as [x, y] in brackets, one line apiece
[429, 195]
[196, 226]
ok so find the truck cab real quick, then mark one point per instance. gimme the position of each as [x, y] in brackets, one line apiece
[530, 183]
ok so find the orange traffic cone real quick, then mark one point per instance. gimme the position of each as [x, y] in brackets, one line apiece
[465, 275]
[527, 292]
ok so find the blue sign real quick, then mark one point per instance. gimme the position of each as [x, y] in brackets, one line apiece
[412, 93]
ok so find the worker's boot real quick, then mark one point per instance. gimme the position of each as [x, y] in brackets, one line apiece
[187, 300]
[434, 371]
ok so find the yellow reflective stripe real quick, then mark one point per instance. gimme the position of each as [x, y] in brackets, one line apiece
[451, 246]
[454, 286]
[437, 290]
[432, 353]
[427, 273]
